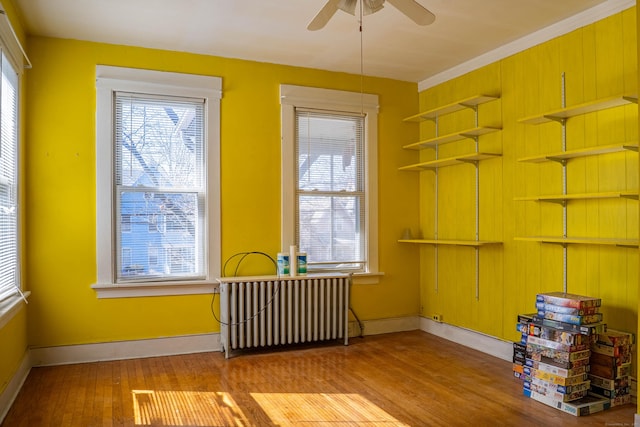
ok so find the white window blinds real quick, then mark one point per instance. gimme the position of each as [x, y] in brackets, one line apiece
[9, 265]
[330, 191]
[160, 187]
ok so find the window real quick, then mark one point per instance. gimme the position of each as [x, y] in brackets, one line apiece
[329, 178]
[330, 197]
[153, 257]
[125, 223]
[9, 238]
[160, 132]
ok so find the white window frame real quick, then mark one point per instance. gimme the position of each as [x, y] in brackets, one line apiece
[110, 79]
[14, 52]
[292, 97]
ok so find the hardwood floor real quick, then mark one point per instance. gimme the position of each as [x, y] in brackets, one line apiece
[402, 379]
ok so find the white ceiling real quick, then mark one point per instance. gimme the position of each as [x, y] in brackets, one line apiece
[275, 30]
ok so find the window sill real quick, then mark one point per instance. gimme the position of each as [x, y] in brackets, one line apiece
[367, 278]
[9, 308]
[153, 289]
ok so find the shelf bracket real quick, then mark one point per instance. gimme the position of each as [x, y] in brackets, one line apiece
[563, 162]
[563, 244]
[562, 203]
[561, 120]
[629, 246]
[474, 107]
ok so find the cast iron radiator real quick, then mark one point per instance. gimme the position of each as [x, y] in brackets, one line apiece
[270, 311]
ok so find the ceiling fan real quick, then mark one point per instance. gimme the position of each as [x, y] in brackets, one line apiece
[411, 8]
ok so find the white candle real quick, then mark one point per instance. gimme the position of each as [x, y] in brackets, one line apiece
[293, 260]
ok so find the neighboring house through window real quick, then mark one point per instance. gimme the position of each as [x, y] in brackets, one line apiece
[329, 177]
[157, 164]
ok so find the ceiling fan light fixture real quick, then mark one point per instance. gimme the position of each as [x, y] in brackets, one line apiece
[348, 6]
[371, 6]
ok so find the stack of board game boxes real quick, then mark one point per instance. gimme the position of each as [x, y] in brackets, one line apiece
[610, 373]
[553, 356]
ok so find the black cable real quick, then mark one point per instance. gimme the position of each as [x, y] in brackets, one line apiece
[244, 255]
[224, 269]
[360, 324]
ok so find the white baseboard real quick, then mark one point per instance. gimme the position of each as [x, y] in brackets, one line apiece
[10, 393]
[476, 340]
[62, 355]
[82, 353]
[384, 326]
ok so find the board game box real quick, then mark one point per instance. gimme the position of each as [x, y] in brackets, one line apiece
[568, 300]
[607, 383]
[531, 339]
[559, 358]
[587, 319]
[545, 307]
[611, 371]
[556, 370]
[555, 379]
[534, 383]
[558, 335]
[583, 406]
[569, 327]
[615, 338]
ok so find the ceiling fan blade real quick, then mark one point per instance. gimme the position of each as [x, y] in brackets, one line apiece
[321, 19]
[414, 10]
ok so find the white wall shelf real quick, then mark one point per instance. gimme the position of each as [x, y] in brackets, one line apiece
[580, 109]
[452, 137]
[449, 161]
[628, 243]
[560, 156]
[474, 243]
[433, 114]
[560, 198]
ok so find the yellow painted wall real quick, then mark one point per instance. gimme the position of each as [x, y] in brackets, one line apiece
[599, 60]
[61, 189]
[13, 341]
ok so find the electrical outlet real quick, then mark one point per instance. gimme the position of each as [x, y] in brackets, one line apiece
[437, 318]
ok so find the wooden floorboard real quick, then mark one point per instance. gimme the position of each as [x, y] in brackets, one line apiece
[401, 379]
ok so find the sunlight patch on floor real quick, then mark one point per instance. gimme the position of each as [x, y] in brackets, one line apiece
[316, 409]
[186, 408]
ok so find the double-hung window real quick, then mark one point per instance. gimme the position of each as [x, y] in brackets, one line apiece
[329, 184]
[9, 265]
[158, 182]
